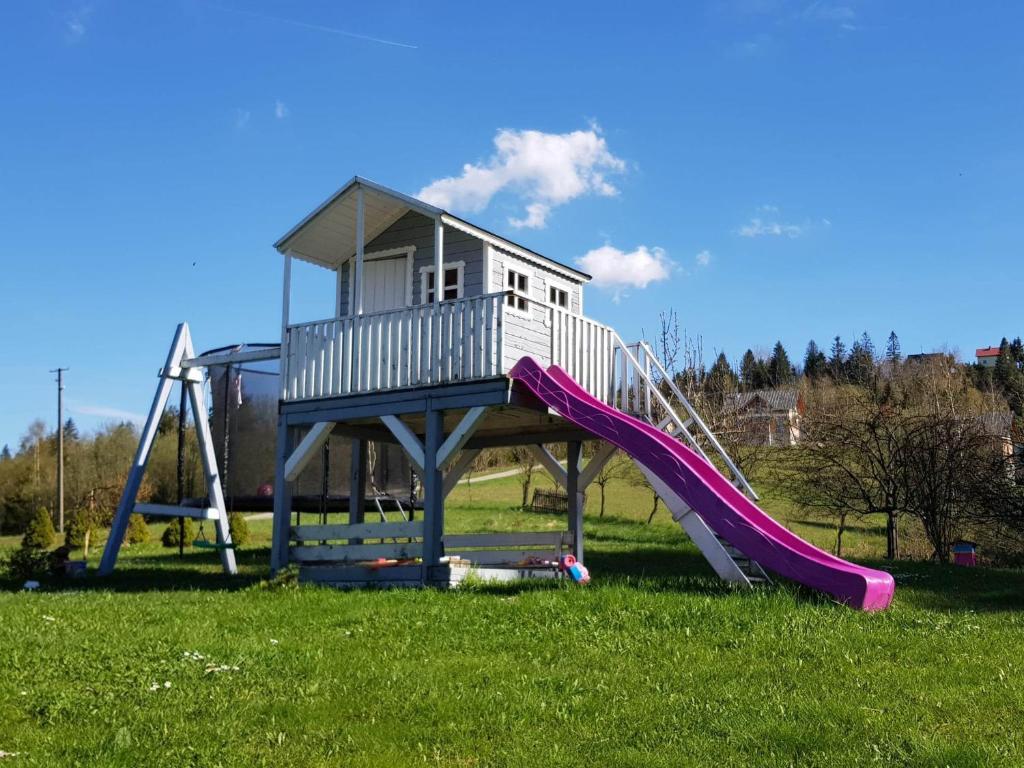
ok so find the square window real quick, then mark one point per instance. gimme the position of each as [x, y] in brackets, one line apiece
[558, 297]
[519, 285]
[452, 288]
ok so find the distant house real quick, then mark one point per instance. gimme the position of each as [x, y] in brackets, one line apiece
[986, 356]
[767, 416]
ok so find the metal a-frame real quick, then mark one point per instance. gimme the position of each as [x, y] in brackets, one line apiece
[191, 377]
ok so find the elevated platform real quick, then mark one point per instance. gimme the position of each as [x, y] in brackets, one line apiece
[513, 417]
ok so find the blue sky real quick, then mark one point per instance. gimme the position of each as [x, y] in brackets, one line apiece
[842, 166]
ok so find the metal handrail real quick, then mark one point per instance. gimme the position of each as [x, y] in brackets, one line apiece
[674, 389]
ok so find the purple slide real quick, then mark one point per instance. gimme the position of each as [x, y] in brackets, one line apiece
[707, 492]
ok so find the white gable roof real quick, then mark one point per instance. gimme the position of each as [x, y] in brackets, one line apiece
[327, 236]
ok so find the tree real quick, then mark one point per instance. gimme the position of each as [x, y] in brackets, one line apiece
[815, 363]
[523, 459]
[40, 533]
[70, 430]
[952, 469]
[780, 370]
[892, 348]
[614, 469]
[837, 360]
[5, 454]
[748, 370]
[861, 362]
[721, 379]
[849, 461]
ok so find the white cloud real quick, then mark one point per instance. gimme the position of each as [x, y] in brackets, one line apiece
[828, 11]
[766, 223]
[544, 170]
[703, 258]
[280, 110]
[757, 227]
[106, 412]
[618, 270]
[74, 22]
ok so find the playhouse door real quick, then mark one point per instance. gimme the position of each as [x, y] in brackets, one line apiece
[385, 282]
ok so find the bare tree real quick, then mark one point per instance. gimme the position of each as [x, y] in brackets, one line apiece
[615, 469]
[850, 460]
[523, 459]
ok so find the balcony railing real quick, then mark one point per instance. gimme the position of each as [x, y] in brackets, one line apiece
[420, 345]
[477, 338]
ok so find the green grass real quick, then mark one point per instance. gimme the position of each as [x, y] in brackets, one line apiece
[656, 663]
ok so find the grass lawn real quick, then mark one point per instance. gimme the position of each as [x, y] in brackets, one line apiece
[655, 663]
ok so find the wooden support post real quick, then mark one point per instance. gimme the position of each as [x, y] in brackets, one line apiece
[459, 468]
[357, 484]
[282, 500]
[550, 463]
[357, 283]
[597, 462]
[461, 434]
[286, 298]
[575, 501]
[438, 260]
[407, 439]
[433, 492]
[313, 441]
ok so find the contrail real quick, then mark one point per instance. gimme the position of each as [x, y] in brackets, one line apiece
[316, 27]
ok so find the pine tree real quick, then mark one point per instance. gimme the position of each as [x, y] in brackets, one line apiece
[780, 370]
[70, 429]
[40, 533]
[748, 370]
[1017, 351]
[892, 348]
[721, 379]
[5, 455]
[837, 360]
[815, 364]
[1005, 367]
[861, 363]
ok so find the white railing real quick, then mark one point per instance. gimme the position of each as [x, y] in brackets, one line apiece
[425, 344]
[584, 349]
[467, 339]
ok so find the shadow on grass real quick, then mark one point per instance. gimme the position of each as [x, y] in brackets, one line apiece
[944, 587]
[831, 527]
[165, 573]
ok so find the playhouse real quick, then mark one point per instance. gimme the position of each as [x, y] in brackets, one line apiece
[447, 339]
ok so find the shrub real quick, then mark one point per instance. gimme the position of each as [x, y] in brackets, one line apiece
[26, 563]
[239, 528]
[169, 538]
[76, 528]
[138, 531]
[39, 533]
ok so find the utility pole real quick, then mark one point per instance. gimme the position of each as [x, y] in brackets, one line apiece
[60, 447]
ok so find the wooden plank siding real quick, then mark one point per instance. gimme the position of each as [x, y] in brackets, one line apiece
[415, 229]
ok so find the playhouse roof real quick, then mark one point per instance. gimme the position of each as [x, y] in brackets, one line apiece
[327, 235]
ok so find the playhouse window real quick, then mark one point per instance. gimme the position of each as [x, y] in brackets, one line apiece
[558, 297]
[452, 283]
[519, 284]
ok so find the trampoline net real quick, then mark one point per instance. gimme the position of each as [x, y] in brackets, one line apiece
[243, 421]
